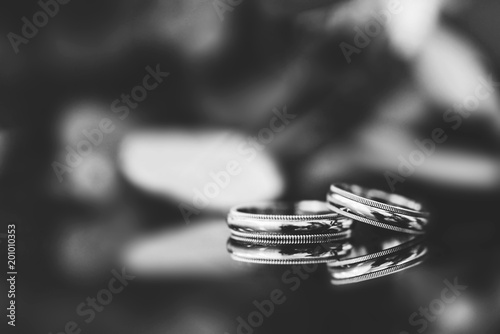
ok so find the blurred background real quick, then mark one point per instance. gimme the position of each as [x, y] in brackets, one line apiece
[107, 162]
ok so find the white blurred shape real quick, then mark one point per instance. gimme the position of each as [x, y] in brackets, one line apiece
[94, 179]
[461, 169]
[181, 164]
[448, 70]
[198, 250]
[384, 146]
[409, 28]
[386, 138]
[458, 316]
[79, 116]
[351, 13]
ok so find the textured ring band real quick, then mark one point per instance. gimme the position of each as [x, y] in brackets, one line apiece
[304, 221]
[379, 199]
[401, 214]
[287, 254]
[286, 239]
[376, 248]
[382, 266]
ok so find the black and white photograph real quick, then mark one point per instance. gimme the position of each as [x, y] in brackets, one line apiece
[250, 166]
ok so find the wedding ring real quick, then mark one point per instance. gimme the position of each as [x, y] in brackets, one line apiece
[382, 265]
[376, 256]
[378, 208]
[286, 254]
[287, 223]
[376, 247]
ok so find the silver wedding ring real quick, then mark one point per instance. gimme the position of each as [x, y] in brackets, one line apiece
[287, 254]
[378, 208]
[384, 265]
[311, 232]
[301, 222]
[368, 259]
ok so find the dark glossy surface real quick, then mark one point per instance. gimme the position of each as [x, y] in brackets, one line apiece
[361, 258]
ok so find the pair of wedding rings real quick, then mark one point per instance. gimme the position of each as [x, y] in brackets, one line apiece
[316, 221]
[309, 231]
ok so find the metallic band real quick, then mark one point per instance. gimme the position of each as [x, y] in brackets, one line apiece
[375, 248]
[380, 199]
[378, 267]
[286, 254]
[400, 214]
[287, 239]
[300, 222]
